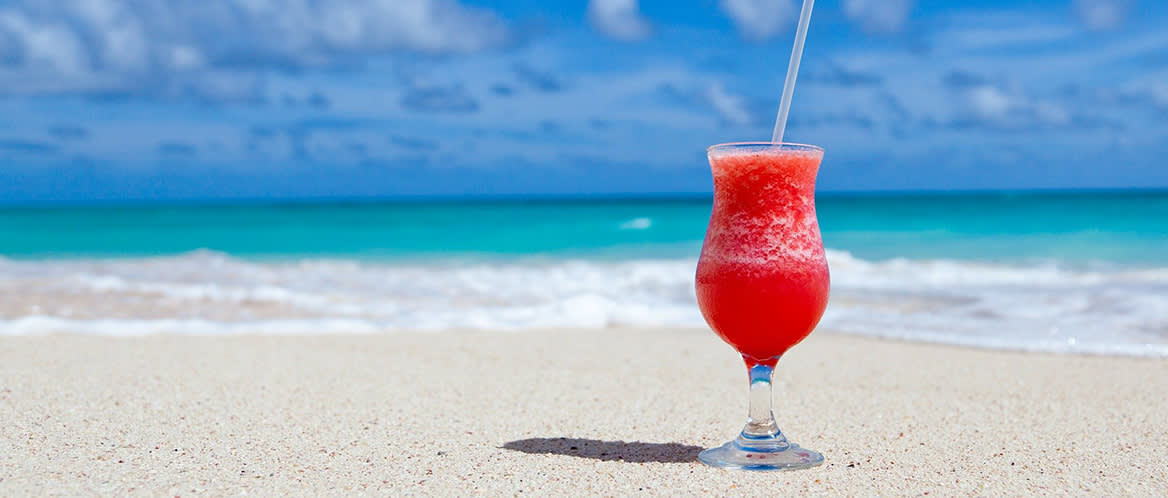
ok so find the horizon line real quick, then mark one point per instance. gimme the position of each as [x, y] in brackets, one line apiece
[548, 198]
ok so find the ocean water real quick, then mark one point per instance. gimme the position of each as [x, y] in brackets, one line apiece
[1071, 272]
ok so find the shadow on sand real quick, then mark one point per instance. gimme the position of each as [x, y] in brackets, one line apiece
[636, 452]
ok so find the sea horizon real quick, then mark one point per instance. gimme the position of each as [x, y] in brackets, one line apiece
[555, 197]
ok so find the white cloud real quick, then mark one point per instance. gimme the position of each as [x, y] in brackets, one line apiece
[44, 45]
[730, 107]
[990, 102]
[1159, 94]
[125, 45]
[619, 19]
[1152, 90]
[1052, 113]
[761, 19]
[879, 16]
[1102, 14]
[1003, 35]
[993, 105]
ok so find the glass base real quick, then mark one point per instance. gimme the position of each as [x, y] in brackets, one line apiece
[782, 456]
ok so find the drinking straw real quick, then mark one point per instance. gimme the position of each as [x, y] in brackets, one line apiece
[792, 71]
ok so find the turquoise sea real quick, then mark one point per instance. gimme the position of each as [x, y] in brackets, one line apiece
[1080, 272]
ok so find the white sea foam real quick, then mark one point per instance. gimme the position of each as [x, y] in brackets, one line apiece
[1045, 307]
[637, 224]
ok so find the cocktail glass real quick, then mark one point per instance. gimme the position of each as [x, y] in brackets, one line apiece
[762, 281]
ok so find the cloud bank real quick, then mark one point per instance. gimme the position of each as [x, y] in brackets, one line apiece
[215, 47]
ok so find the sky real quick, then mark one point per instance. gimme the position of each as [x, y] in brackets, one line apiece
[139, 100]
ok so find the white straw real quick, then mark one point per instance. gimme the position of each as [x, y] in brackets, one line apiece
[792, 71]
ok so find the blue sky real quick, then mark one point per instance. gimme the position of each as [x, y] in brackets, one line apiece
[141, 100]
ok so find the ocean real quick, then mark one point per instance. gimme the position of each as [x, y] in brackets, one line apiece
[1059, 272]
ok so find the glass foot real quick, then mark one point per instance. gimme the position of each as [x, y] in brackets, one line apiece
[786, 456]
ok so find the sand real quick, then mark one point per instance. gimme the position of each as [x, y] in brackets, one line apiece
[615, 412]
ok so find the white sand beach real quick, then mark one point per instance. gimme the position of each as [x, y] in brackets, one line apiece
[609, 412]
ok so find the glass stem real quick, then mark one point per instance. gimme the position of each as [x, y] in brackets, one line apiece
[761, 430]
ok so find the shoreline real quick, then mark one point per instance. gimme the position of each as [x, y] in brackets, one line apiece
[342, 327]
[609, 412]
